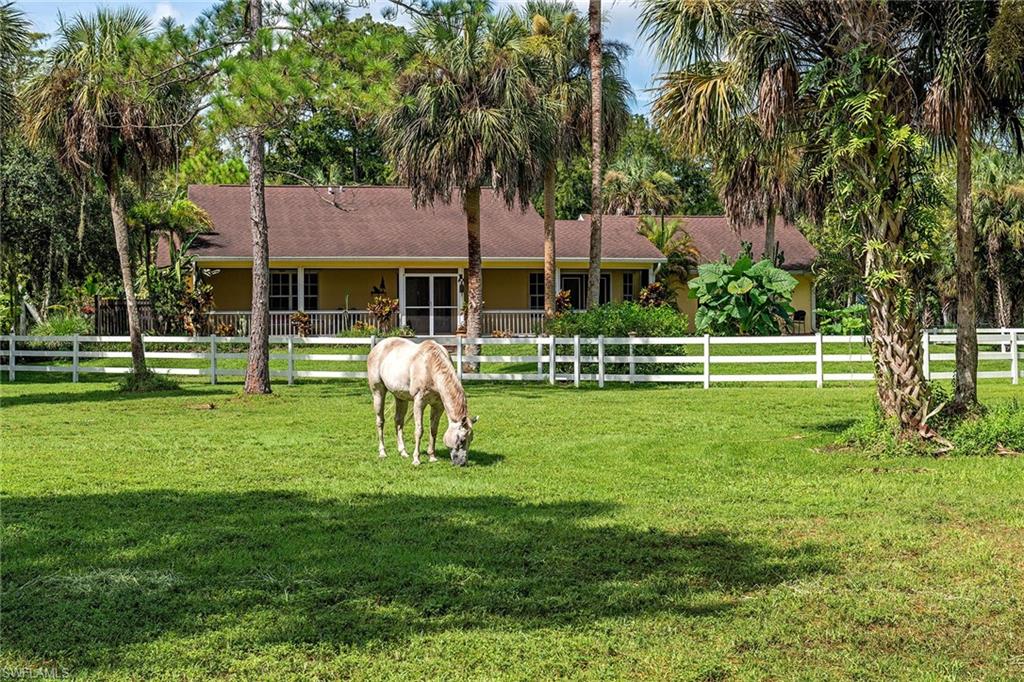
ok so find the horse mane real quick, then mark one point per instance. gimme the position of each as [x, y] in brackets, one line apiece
[446, 381]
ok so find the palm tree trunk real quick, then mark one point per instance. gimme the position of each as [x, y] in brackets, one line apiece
[127, 275]
[474, 273]
[769, 232]
[966, 395]
[1001, 303]
[596, 144]
[549, 241]
[896, 349]
[257, 373]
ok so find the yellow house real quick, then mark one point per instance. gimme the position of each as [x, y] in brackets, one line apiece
[332, 250]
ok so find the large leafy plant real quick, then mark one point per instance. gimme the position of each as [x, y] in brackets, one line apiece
[742, 297]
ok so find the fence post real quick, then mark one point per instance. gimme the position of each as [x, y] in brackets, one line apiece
[540, 358]
[458, 356]
[551, 360]
[291, 362]
[926, 342]
[576, 361]
[632, 364]
[1015, 357]
[10, 357]
[819, 361]
[74, 359]
[707, 361]
[600, 361]
[213, 358]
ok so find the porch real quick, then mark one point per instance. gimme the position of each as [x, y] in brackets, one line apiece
[430, 299]
[339, 322]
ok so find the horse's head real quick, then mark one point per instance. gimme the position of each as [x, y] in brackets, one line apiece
[458, 437]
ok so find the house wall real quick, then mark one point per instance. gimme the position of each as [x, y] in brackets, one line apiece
[505, 288]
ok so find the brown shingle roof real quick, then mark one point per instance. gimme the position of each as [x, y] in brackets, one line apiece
[381, 222]
[712, 236]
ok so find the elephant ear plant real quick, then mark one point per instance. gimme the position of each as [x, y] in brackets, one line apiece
[742, 298]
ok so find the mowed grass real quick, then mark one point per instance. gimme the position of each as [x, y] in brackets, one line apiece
[652, 532]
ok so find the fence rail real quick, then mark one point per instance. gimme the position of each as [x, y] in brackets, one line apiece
[552, 359]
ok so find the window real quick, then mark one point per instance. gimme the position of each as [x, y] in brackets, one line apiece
[284, 290]
[311, 290]
[645, 278]
[627, 286]
[536, 291]
[606, 289]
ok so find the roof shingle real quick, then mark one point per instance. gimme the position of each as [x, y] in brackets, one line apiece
[382, 223]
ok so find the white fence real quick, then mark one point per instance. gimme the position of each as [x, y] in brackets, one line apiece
[551, 359]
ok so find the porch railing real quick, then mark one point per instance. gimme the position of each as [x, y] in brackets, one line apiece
[322, 322]
[512, 322]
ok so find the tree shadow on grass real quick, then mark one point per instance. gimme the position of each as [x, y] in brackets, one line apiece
[88, 574]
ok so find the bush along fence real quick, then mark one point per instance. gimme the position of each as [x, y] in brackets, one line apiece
[701, 360]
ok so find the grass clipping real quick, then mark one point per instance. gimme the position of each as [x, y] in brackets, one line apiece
[146, 382]
[987, 431]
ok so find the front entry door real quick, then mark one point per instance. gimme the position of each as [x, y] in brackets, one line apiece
[576, 285]
[430, 308]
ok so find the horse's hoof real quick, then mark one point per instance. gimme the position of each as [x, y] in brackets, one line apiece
[415, 462]
[382, 455]
[432, 459]
[403, 453]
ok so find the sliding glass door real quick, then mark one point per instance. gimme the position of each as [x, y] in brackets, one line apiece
[430, 304]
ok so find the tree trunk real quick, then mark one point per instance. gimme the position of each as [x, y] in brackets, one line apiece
[769, 232]
[257, 373]
[1001, 303]
[127, 275]
[966, 395]
[596, 144]
[550, 286]
[474, 273]
[897, 353]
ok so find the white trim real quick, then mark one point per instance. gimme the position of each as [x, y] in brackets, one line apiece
[401, 296]
[427, 259]
[301, 286]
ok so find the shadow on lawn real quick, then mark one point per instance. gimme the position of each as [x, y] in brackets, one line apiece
[87, 574]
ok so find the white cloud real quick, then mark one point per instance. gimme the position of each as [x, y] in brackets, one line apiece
[165, 10]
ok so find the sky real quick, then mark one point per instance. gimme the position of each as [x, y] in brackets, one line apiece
[621, 19]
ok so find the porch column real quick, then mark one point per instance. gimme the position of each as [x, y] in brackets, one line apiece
[460, 284]
[301, 283]
[401, 297]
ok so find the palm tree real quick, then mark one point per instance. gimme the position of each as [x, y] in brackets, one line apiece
[831, 83]
[97, 105]
[973, 83]
[469, 113]
[558, 36]
[14, 41]
[634, 186]
[673, 241]
[999, 200]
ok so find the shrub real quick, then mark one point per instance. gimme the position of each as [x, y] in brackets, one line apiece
[302, 323]
[999, 430]
[742, 298]
[995, 431]
[382, 308]
[363, 330]
[65, 324]
[146, 382]
[849, 321]
[620, 320]
[654, 295]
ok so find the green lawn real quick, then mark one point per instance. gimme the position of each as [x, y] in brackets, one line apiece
[655, 532]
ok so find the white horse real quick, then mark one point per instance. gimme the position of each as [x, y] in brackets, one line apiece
[421, 373]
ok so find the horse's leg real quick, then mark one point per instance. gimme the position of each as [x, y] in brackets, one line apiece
[435, 419]
[378, 408]
[400, 408]
[417, 415]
